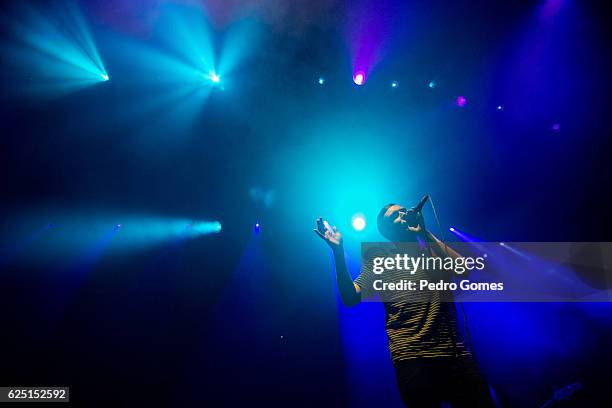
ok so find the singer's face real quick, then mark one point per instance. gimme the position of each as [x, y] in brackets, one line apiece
[395, 227]
[395, 214]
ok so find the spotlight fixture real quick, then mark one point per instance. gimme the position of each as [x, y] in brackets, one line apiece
[359, 78]
[213, 77]
[394, 84]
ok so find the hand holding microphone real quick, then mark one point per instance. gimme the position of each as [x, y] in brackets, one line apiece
[414, 217]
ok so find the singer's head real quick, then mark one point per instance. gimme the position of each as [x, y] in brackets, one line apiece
[393, 221]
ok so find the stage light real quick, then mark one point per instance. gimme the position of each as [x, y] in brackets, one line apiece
[468, 238]
[432, 84]
[359, 78]
[461, 101]
[213, 77]
[257, 227]
[206, 227]
[464, 236]
[394, 84]
[515, 251]
[321, 81]
[56, 49]
[77, 228]
[358, 222]
[500, 108]
[556, 127]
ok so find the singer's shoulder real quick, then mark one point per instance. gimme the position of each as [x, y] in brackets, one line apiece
[376, 249]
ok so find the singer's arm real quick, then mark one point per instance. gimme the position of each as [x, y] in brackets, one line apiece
[350, 293]
[439, 247]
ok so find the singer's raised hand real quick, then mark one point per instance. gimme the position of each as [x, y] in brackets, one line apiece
[330, 235]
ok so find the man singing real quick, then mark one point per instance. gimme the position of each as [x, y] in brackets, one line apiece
[431, 361]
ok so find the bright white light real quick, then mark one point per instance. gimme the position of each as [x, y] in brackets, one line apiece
[321, 81]
[214, 77]
[359, 222]
[104, 77]
[394, 84]
[359, 78]
[452, 229]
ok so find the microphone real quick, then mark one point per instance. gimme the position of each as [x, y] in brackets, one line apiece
[412, 217]
[421, 203]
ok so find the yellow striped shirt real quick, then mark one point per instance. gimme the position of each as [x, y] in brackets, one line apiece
[421, 326]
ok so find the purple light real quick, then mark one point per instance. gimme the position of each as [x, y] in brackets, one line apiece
[515, 251]
[468, 238]
[461, 101]
[556, 127]
[359, 78]
[368, 25]
[465, 237]
[550, 8]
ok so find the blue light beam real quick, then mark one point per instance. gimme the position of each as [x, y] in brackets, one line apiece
[54, 49]
[131, 232]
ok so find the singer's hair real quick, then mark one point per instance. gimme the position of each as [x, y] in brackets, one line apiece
[384, 224]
